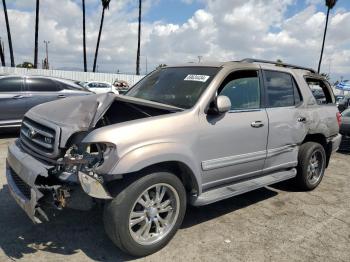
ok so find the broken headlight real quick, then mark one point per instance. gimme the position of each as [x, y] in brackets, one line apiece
[86, 157]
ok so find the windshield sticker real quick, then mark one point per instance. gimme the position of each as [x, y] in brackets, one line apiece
[198, 78]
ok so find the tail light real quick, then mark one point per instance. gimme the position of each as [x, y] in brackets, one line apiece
[339, 118]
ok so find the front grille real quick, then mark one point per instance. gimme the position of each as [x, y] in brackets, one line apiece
[37, 136]
[21, 185]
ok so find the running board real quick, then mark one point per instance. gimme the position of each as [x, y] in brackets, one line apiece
[221, 193]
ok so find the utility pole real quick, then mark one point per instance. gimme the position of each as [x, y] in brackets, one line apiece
[47, 53]
[329, 66]
[146, 66]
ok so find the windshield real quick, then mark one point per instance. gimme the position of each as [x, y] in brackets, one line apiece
[176, 86]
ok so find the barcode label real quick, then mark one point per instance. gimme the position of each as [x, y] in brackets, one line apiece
[198, 78]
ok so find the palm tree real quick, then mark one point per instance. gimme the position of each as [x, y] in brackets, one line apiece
[8, 34]
[36, 34]
[330, 4]
[2, 55]
[105, 5]
[84, 38]
[138, 42]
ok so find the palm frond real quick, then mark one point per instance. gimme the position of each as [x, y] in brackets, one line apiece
[330, 3]
[105, 3]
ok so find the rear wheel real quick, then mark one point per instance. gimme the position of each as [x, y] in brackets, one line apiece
[311, 165]
[146, 214]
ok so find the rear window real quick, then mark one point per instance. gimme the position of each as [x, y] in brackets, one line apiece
[320, 91]
[346, 113]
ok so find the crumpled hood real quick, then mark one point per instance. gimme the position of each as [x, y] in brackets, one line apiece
[73, 114]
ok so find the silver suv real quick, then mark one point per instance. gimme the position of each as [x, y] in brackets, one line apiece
[195, 133]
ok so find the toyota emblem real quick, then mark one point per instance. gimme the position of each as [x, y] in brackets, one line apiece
[31, 133]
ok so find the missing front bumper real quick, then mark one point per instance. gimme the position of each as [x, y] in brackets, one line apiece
[28, 201]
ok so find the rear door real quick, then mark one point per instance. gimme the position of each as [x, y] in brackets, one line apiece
[287, 120]
[12, 101]
[41, 90]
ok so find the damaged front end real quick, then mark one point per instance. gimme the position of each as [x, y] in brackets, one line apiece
[40, 188]
[54, 165]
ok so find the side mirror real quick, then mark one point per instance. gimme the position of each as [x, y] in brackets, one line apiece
[221, 105]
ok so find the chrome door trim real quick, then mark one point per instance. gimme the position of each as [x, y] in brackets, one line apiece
[233, 160]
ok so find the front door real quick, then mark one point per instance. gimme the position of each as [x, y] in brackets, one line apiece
[233, 145]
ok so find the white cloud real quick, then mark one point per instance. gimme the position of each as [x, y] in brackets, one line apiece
[222, 30]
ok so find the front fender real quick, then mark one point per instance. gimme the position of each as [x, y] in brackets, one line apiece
[148, 155]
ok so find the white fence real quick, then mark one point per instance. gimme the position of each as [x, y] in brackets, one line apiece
[73, 75]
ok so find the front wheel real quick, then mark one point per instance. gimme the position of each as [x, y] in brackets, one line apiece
[144, 216]
[311, 165]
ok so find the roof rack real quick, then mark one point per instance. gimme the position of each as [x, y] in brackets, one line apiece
[253, 60]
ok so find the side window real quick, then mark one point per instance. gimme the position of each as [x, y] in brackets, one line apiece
[41, 85]
[243, 89]
[320, 91]
[11, 84]
[279, 89]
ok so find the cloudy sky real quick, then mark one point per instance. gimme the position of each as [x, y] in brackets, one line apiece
[176, 31]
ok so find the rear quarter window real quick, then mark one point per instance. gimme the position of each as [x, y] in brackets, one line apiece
[320, 90]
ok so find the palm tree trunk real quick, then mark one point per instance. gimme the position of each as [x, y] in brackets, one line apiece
[138, 42]
[84, 37]
[2, 56]
[324, 39]
[8, 34]
[98, 39]
[36, 34]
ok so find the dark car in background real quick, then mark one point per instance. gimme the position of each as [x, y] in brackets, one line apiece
[345, 130]
[339, 98]
[344, 103]
[20, 93]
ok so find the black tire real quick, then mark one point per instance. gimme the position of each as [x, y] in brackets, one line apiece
[117, 213]
[306, 151]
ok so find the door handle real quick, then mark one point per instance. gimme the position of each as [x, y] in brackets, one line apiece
[301, 119]
[257, 124]
[61, 96]
[18, 97]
